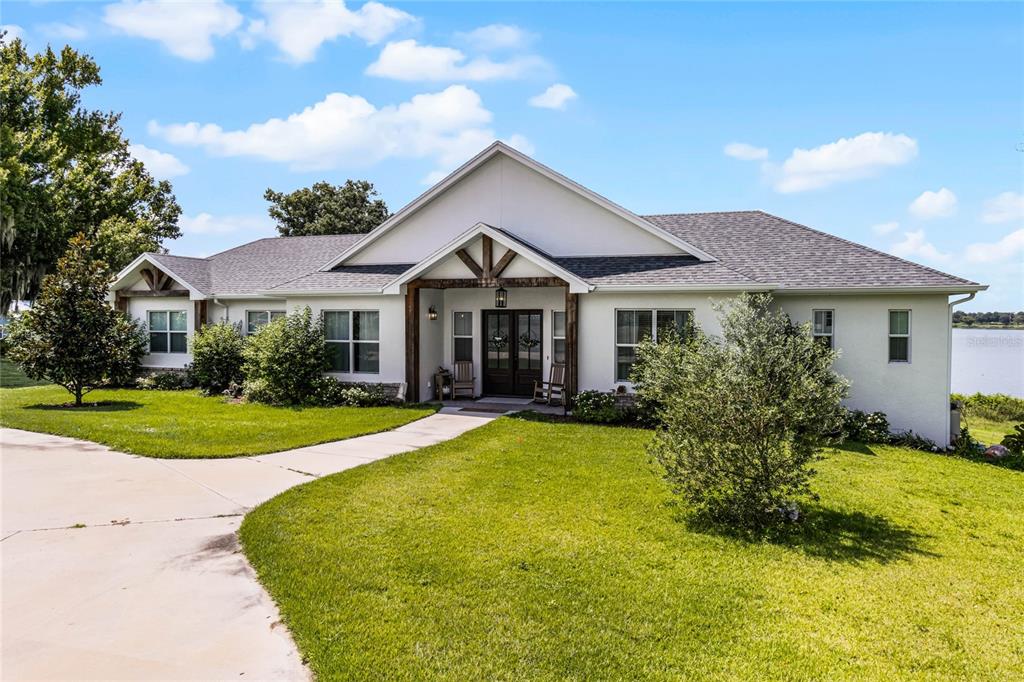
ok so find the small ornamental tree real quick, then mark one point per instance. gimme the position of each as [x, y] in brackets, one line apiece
[217, 357]
[284, 361]
[72, 336]
[742, 417]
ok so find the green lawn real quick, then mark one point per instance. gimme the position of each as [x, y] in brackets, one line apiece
[988, 431]
[11, 375]
[186, 424]
[529, 550]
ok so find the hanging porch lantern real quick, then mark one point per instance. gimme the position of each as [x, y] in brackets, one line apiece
[500, 298]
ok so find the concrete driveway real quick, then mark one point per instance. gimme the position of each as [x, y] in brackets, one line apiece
[123, 567]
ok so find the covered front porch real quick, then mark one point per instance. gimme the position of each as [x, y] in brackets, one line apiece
[512, 317]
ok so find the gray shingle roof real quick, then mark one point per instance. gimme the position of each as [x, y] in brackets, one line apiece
[652, 270]
[776, 251]
[753, 248]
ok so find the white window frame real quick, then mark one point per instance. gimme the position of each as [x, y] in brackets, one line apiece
[472, 344]
[654, 334]
[830, 335]
[351, 341]
[890, 335]
[270, 316]
[166, 332]
[559, 338]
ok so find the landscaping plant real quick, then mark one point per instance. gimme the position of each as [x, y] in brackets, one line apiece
[72, 336]
[744, 416]
[284, 361]
[217, 357]
[596, 407]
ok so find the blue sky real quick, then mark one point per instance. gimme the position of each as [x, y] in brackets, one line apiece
[900, 126]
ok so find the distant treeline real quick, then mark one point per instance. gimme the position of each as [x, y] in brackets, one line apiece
[962, 319]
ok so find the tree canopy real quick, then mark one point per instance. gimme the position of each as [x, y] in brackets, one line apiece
[352, 208]
[72, 336]
[67, 170]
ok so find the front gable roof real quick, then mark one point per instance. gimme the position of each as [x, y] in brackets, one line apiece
[522, 248]
[492, 151]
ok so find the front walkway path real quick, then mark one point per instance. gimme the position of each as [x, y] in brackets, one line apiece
[116, 566]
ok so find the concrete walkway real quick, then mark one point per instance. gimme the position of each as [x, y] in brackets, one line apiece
[116, 566]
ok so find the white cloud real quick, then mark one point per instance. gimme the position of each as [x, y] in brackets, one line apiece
[843, 160]
[885, 228]
[206, 224]
[915, 245]
[185, 29]
[934, 204]
[347, 130]
[745, 152]
[63, 31]
[299, 29]
[496, 37]
[160, 164]
[13, 31]
[555, 97]
[1004, 208]
[406, 60]
[1009, 247]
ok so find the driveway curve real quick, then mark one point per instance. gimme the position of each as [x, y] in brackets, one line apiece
[116, 566]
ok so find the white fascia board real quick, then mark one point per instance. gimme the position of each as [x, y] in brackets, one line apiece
[193, 293]
[483, 157]
[852, 291]
[313, 292]
[688, 288]
[576, 285]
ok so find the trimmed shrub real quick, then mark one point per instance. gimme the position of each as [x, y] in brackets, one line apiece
[866, 427]
[166, 381]
[284, 361]
[217, 357]
[595, 407]
[746, 415]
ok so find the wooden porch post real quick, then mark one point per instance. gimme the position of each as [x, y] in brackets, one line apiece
[412, 342]
[200, 314]
[571, 344]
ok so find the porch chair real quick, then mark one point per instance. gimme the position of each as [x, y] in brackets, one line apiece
[463, 379]
[545, 391]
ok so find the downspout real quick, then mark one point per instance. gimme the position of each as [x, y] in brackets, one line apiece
[949, 355]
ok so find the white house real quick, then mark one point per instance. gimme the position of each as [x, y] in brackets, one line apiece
[583, 278]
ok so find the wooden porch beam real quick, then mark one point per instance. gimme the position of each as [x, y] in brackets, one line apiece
[148, 276]
[200, 314]
[509, 282]
[488, 260]
[412, 342]
[470, 263]
[571, 345]
[502, 263]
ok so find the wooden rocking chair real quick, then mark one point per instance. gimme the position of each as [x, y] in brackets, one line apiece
[552, 389]
[463, 379]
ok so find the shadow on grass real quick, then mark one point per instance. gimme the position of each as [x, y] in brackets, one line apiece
[103, 406]
[835, 535]
[856, 447]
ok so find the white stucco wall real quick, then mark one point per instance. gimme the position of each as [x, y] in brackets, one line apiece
[233, 310]
[915, 394]
[506, 194]
[139, 307]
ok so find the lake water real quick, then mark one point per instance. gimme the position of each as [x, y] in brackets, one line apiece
[988, 361]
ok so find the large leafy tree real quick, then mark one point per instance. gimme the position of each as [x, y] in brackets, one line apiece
[72, 336]
[742, 417]
[352, 208]
[66, 170]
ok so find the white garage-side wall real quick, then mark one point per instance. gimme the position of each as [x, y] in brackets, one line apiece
[914, 395]
[139, 308]
[392, 331]
[234, 310]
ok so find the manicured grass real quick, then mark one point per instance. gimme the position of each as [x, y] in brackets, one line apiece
[529, 550]
[186, 424]
[11, 375]
[988, 431]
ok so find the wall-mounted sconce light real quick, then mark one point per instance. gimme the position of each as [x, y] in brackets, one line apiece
[500, 298]
[432, 313]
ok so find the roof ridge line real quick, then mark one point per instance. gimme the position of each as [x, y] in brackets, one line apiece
[868, 248]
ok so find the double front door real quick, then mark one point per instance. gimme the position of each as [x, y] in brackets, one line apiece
[512, 351]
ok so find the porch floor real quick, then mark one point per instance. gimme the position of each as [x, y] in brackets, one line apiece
[498, 406]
